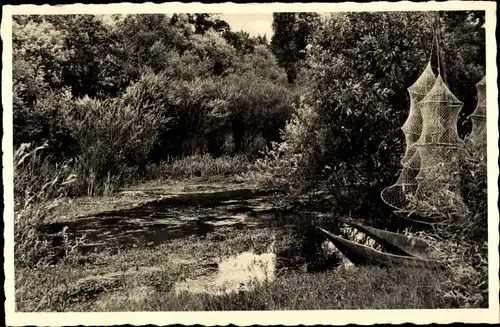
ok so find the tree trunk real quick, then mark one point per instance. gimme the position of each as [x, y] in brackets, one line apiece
[214, 144]
[238, 137]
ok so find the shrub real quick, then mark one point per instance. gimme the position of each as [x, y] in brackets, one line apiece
[44, 121]
[463, 231]
[257, 106]
[182, 104]
[115, 139]
[38, 186]
[215, 52]
[288, 158]
[470, 232]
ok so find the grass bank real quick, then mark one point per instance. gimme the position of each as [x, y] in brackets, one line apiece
[144, 279]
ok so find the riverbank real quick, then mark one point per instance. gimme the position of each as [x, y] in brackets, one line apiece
[199, 245]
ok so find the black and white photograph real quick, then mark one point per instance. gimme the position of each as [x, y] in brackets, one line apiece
[249, 160]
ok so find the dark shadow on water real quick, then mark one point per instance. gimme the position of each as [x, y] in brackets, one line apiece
[202, 214]
[206, 199]
[158, 222]
[167, 219]
[307, 254]
[307, 250]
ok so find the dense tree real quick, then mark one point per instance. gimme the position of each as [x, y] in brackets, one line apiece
[39, 58]
[463, 42]
[241, 41]
[361, 65]
[214, 51]
[203, 22]
[93, 67]
[291, 36]
[262, 39]
[260, 99]
[145, 40]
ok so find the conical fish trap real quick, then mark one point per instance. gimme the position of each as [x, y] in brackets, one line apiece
[397, 194]
[431, 162]
[476, 140]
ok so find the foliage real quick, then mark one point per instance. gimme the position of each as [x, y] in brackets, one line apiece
[203, 87]
[112, 136]
[290, 39]
[257, 106]
[204, 22]
[464, 53]
[358, 87]
[263, 63]
[36, 181]
[93, 67]
[205, 108]
[39, 56]
[204, 166]
[45, 121]
[291, 156]
[464, 232]
[242, 41]
[358, 93]
[214, 51]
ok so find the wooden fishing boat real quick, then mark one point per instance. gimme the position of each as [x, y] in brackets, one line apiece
[365, 255]
[395, 243]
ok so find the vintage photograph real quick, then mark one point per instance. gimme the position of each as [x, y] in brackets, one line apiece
[242, 161]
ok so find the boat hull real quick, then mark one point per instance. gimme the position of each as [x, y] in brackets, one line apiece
[364, 255]
[396, 243]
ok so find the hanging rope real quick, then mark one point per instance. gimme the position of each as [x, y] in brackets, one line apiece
[433, 43]
[436, 39]
[441, 64]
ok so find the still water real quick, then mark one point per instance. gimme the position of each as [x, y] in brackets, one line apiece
[201, 215]
[236, 273]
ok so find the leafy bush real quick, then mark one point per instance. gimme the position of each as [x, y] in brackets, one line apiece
[93, 67]
[216, 54]
[113, 137]
[292, 32]
[46, 121]
[291, 156]
[182, 103]
[466, 237]
[357, 90]
[180, 68]
[257, 106]
[39, 56]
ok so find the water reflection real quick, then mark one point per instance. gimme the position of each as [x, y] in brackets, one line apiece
[170, 218]
[234, 274]
[207, 214]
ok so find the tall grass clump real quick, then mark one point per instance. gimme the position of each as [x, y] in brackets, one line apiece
[39, 185]
[114, 139]
[203, 166]
[470, 233]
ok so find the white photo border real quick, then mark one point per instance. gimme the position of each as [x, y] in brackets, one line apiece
[337, 317]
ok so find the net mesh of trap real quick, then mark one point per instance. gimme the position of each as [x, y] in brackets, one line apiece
[434, 150]
[476, 140]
